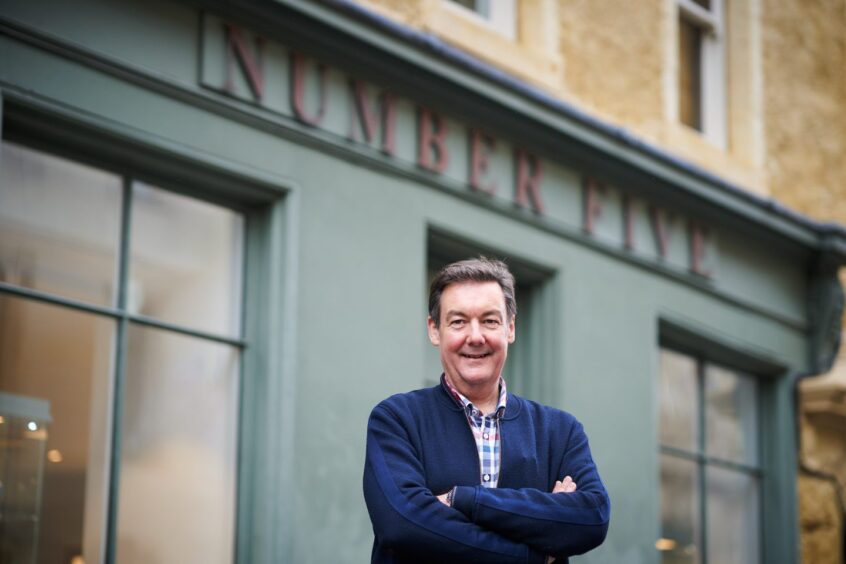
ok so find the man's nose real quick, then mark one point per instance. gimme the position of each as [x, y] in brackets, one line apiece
[475, 337]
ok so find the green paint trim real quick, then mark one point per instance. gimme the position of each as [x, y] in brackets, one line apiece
[36, 295]
[711, 460]
[691, 337]
[266, 484]
[119, 374]
[187, 331]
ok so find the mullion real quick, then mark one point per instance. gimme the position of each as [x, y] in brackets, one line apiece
[115, 313]
[700, 458]
[701, 465]
[120, 369]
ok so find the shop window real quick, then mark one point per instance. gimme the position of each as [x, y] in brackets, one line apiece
[702, 68]
[501, 15]
[529, 365]
[710, 463]
[120, 348]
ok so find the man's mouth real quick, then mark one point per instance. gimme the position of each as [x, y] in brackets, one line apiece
[475, 356]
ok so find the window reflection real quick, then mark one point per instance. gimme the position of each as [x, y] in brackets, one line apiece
[732, 415]
[679, 512]
[677, 400]
[59, 225]
[54, 396]
[186, 260]
[178, 452]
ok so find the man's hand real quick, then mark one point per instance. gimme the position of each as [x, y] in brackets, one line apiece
[443, 498]
[567, 485]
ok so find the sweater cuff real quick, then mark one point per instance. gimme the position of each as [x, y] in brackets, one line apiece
[465, 500]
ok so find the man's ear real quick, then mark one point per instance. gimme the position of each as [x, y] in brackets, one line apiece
[511, 334]
[434, 334]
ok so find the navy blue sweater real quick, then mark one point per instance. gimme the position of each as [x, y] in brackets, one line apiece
[419, 445]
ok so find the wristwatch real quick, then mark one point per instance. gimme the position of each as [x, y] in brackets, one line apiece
[450, 496]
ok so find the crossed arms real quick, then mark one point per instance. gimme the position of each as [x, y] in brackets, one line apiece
[499, 525]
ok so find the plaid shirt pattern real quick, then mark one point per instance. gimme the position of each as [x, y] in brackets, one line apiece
[485, 432]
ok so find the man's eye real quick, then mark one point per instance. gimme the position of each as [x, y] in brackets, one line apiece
[456, 323]
[492, 322]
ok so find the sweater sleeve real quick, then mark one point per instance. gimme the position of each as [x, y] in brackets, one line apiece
[409, 519]
[560, 524]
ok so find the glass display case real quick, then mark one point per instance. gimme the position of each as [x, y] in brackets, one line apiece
[23, 441]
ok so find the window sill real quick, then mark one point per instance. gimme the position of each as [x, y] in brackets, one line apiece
[690, 145]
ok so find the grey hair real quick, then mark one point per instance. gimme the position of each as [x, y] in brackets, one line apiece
[479, 269]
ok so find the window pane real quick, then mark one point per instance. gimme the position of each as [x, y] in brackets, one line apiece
[704, 3]
[679, 425]
[731, 416]
[178, 456]
[54, 392]
[59, 225]
[732, 505]
[186, 261]
[690, 74]
[679, 543]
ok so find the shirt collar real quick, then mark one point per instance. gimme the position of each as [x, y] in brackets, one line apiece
[466, 404]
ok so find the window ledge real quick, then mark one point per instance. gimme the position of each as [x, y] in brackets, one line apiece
[692, 146]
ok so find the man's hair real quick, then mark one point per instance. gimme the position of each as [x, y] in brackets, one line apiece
[479, 269]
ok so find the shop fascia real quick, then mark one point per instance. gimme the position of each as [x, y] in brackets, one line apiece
[405, 133]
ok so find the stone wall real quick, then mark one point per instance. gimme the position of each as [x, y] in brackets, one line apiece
[805, 104]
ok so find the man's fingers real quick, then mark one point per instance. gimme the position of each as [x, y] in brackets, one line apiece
[566, 485]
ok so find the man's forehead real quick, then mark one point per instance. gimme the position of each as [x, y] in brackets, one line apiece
[462, 295]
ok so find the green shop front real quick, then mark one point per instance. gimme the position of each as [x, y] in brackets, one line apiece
[218, 221]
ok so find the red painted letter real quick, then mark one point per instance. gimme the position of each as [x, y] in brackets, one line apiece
[298, 69]
[628, 222]
[367, 119]
[431, 138]
[659, 229]
[529, 176]
[481, 144]
[251, 63]
[592, 204]
[698, 234]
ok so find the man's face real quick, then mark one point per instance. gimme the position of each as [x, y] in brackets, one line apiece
[473, 335]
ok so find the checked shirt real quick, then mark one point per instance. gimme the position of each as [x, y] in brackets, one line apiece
[485, 431]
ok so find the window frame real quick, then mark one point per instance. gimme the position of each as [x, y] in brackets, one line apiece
[703, 460]
[502, 15]
[713, 83]
[269, 208]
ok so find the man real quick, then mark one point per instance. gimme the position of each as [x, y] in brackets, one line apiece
[466, 472]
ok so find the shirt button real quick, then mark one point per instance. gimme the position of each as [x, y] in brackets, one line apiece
[486, 477]
[486, 435]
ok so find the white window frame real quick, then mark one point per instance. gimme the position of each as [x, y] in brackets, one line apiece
[713, 83]
[501, 15]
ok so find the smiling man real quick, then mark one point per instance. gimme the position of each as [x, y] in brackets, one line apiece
[466, 472]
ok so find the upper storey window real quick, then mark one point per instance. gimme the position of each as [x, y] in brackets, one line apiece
[501, 15]
[702, 68]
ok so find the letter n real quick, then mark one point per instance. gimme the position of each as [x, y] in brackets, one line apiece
[250, 61]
